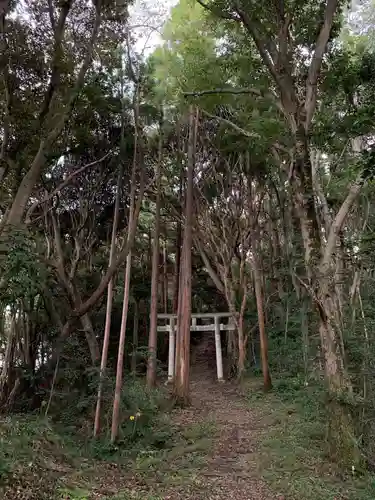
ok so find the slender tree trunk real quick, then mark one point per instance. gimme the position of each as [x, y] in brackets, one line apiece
[267, 384]
[135, 338]
[107, 327]
[7, 362]
[121, 352]
[241, 350]
[181, 386]
[138, 157]
[153, 334]
[178, 246]
[165, 276]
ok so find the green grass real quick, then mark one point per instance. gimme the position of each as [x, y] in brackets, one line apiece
[294, 460]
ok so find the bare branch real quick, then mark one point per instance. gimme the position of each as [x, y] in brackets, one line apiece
[65, 183]
[4, 161]
[315, 159]
[112, 269]
[133, 76]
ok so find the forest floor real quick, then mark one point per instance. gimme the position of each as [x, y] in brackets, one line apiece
[232, 443]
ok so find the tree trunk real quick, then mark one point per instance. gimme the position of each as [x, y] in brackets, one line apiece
[321, 275]
[107, 327]
[299, 119]
[7, 362]
[241, 349]
[165, 276]
[153, 334]
[121, 353]
[91, 338]
[133, 217]
[267, 384]
[178, 247]
[135, 338]
[181, 386]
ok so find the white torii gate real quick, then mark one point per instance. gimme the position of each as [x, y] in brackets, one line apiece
[216, 326]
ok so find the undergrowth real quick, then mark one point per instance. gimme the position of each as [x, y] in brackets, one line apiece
[294, 458]
[43, 459]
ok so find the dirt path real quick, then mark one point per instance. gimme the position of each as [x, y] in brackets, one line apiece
[231, 470]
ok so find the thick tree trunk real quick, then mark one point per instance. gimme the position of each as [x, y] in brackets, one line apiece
[321, 275]
[181, 386]
[341, 434]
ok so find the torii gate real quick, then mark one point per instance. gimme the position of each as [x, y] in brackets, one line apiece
[216, 326]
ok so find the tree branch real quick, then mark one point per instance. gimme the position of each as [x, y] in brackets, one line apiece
[339, 221]
[27, 184]
[61, 186]
[213, 275]
[51, 15]
[253, 29]
[58, 31]
[250, 90]
[97, 294]
[218, 12]
[316, 63]
[240, 130]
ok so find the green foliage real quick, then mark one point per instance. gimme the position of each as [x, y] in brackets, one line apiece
[141, 409]
[23, 273]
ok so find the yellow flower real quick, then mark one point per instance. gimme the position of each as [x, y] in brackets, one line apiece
[132, 417]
